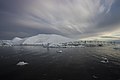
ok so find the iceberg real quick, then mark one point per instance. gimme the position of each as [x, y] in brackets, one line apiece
[60, 51]
[47, 38]
[40, 39]
[17, 41]
[105, 60]
[5, 42]
[22, 63]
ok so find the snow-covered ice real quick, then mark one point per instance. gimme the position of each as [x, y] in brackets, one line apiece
[22, 63]
[94, 76]
[60, 51]
[40, 39]
[47, 38]
[105, 60]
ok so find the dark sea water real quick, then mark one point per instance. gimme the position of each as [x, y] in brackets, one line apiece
[71, 64]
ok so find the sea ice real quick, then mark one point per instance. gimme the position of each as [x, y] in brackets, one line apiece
[22, 63]
[105, 60]
[60, 51]
[94, 76]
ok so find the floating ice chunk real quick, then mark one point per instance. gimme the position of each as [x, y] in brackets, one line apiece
[94, 76]
[22, 63]
[60, 51]
[105, 60]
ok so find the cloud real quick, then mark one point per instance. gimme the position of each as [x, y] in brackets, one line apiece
[11, 35]
[70, 17]
[114, 37]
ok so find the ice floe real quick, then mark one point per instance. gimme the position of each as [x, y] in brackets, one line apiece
[60, 51]
[104, 60]
[94, 76]
[22, 63]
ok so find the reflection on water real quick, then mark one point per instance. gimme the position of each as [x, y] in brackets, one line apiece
[71, 64]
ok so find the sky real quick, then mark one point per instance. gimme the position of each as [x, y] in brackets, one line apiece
[79, 19]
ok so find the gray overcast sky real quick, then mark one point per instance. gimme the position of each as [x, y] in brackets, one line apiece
[71, 18]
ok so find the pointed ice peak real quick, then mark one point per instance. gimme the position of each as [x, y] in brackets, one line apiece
[16, 39]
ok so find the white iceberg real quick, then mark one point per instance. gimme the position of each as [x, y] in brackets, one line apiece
[40, 39]
[17, 40]
[47, 38]
[60, 51]
[105, 60]
[22, 63]
[94, 76]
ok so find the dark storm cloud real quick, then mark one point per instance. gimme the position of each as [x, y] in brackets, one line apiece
[72, 18]
[113, 17]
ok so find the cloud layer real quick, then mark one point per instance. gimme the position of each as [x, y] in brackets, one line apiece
[72, 18]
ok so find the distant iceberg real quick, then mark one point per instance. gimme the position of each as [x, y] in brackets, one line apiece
[47, 38]
[17, 41]
[40, 39]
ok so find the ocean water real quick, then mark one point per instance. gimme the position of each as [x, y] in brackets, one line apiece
[72, 64]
